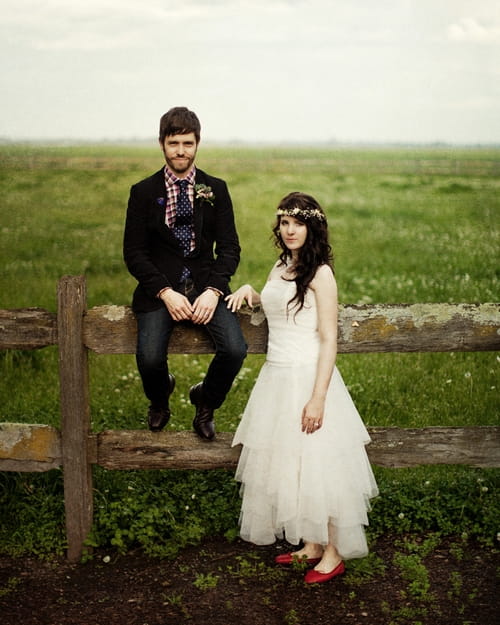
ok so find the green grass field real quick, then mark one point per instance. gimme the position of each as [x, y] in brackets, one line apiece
[414, 225]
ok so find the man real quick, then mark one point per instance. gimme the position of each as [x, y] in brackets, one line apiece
[181, 245]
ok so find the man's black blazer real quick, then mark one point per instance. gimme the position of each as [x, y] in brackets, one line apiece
[152, 253]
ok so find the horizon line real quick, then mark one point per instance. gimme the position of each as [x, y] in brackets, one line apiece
[252, 143]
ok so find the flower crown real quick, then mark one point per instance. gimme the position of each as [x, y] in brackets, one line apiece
[296, 211]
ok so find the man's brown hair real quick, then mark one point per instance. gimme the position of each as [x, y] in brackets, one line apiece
[179, 121]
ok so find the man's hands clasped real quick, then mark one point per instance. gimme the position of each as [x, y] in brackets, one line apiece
[180, 308]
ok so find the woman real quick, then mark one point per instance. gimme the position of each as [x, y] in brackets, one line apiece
[303, 467]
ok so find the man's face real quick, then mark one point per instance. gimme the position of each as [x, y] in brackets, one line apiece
[180, 152]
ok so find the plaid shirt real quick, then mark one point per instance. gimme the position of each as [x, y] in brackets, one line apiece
[172, 192]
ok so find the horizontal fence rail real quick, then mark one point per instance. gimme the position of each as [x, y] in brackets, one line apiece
[112, 330]
[27, 328]
[38, 448]
[366, 328]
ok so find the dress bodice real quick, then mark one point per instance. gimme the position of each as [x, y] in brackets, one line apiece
[293, 336]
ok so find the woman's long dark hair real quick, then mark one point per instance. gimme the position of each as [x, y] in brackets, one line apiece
[316, 250]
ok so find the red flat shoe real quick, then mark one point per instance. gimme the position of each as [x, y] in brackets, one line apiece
[290, 558]
[315, 577]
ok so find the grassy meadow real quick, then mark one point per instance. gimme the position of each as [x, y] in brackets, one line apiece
[407, 225]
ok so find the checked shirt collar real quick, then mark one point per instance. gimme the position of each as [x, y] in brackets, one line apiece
[172, 191]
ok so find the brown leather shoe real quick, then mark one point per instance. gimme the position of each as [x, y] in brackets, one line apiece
[203, 422]
[158, 416]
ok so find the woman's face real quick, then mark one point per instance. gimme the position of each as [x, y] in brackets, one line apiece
[293, 233]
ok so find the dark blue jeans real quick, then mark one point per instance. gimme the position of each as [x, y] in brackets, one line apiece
[153, 334]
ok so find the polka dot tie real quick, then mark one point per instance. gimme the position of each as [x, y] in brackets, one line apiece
[183, 227]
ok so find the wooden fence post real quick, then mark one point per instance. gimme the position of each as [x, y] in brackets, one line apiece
[75, 412]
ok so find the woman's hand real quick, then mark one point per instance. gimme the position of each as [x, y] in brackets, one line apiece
[312, 416]
[246, 292]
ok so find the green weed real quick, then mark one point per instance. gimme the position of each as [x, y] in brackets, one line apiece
[416, 615]
[457, 551]
[176, 600]
[250, 567]
[456, 584]
[359, 571]
[418, 545]
[415, 573]
[10, 586]
[206, 582]
[291, 618]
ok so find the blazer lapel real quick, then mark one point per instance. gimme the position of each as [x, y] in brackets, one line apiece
[159, 199]
[198, 213]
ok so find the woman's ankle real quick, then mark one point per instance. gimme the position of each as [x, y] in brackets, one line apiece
[311, 550]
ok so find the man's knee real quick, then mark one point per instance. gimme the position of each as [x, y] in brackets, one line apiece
[236, 351]
[151, 360]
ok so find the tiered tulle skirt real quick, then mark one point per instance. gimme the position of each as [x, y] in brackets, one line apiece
[313, 487]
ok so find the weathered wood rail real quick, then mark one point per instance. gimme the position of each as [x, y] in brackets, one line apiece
[112, 330]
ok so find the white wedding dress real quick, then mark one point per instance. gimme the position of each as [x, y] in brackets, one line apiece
[294, 484]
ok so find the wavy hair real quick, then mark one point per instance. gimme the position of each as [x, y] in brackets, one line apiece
[179, 121]
[316, 250]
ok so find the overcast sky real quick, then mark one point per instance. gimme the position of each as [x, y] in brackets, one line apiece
[253, 70]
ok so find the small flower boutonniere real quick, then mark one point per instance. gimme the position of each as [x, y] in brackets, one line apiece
[203, 192]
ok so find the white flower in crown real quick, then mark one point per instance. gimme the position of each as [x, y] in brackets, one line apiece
[204, 192]
[302, 214]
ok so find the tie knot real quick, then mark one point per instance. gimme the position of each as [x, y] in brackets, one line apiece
[182, 184]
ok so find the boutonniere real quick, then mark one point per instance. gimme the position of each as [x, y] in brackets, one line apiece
[203, 192]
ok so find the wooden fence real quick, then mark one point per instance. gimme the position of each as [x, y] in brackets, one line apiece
[112, 330]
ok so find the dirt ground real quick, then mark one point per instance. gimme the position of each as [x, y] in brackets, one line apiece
[226, 583]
